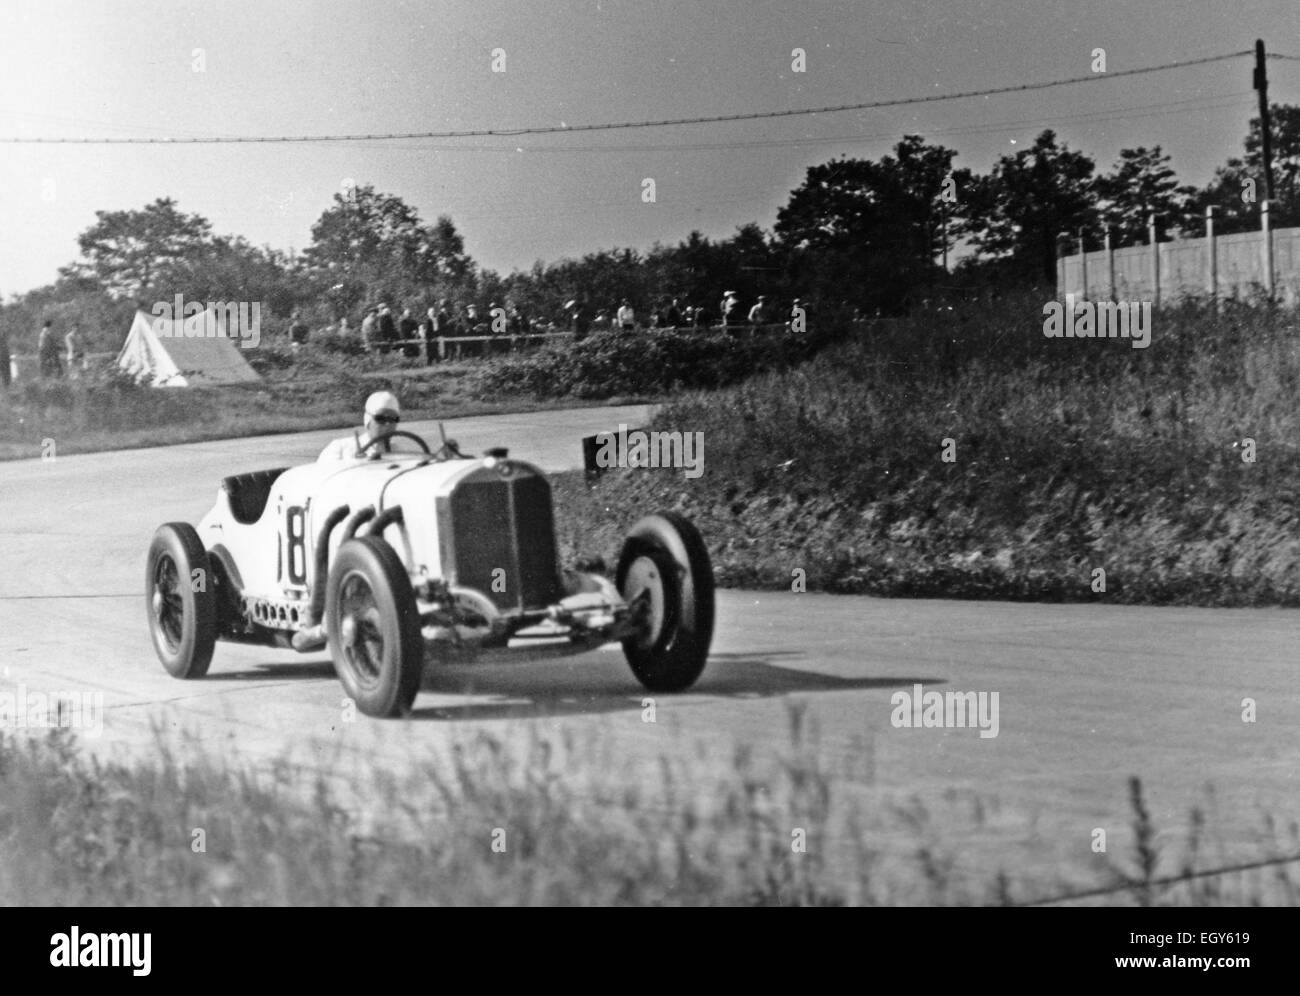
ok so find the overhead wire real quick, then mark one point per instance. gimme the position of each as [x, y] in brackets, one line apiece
[626, 125]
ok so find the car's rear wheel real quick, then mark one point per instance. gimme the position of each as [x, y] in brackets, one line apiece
[182, 609]
[665, 573]
[373, 627]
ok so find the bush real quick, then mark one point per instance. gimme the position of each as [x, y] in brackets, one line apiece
[1070, 455]
[336, 344]
[651, 362]
[102, 397]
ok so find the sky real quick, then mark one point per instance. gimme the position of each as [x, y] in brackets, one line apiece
[176, 68]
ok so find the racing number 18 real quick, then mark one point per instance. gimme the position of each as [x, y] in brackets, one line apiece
[296, 533]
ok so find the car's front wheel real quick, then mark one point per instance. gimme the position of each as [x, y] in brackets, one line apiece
[665, 573]
[374, 627]
[182, 610]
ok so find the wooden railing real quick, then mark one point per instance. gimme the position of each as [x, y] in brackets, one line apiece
[453, 347]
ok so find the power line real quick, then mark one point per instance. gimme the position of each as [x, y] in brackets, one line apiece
[1162, 108]
[625, 125]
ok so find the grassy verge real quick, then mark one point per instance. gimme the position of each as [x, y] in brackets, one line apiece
[570, 824]
[325, 385]
[1174, 469]
[104, 410]
[660, 361]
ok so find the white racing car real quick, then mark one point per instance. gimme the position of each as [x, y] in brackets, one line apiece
[393, 561]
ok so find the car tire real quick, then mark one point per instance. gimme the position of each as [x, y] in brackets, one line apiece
[182, 621]
[373, 627]
[665, 555]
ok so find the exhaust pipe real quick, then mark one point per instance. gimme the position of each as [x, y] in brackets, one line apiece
[359, 518]
[322, 551]
[385, 519]
[312, 635]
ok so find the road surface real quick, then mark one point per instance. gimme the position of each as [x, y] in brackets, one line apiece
[1087, 694]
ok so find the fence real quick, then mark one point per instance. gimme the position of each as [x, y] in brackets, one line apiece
[24, 366]
[459, 347]
[1218, 266]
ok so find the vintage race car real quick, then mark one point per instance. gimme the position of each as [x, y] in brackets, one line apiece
[395, 561]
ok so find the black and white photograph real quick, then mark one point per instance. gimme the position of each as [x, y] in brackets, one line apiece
[635, 453]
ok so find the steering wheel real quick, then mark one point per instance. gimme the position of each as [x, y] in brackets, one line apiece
[396, 432]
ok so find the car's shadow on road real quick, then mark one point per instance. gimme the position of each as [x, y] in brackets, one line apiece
[277, 671]
[602, 683]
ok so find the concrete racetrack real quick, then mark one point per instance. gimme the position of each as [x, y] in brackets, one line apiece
[1088, 694]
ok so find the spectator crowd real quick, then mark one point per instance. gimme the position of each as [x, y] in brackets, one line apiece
[382, 330]
[55, 357]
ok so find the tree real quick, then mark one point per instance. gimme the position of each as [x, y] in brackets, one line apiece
[868, 229]
[135, 253]
[232, 269]
[1234, 194]
[1239, 185]
[1286, 161]
[368, 244]
[1028, 200]
[1143, 182]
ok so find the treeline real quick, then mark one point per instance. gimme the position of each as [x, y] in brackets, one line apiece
[856, 234]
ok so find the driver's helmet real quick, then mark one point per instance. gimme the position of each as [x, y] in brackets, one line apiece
[383, 403]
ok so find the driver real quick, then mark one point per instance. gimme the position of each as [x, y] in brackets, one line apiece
[382, 413]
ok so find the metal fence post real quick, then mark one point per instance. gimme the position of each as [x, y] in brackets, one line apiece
[1267, 228]
[1155, 259]
[1211, 248]
[1083, 266]
[1110, 263]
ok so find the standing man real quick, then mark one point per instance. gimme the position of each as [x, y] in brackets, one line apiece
[429, 332]
[471, 324]
[730, 309]
[387, 329]
[298, 331]
[581, 319]
[369, 330]
[673, 316]
[47, 352]
[76, 352]
[798, 316]
[758, 313]
[409, 329]
[446, 325]
[626, 316]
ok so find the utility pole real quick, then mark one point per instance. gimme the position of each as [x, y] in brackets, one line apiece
[1261, 87]
[943, 207]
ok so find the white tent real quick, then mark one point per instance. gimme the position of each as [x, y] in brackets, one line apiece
[182, 353]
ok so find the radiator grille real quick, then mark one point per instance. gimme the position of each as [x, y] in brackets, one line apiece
[504, 538]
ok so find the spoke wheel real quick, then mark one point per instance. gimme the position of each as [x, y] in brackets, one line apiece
[665, 575]
[374, 627]
[180, 602]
